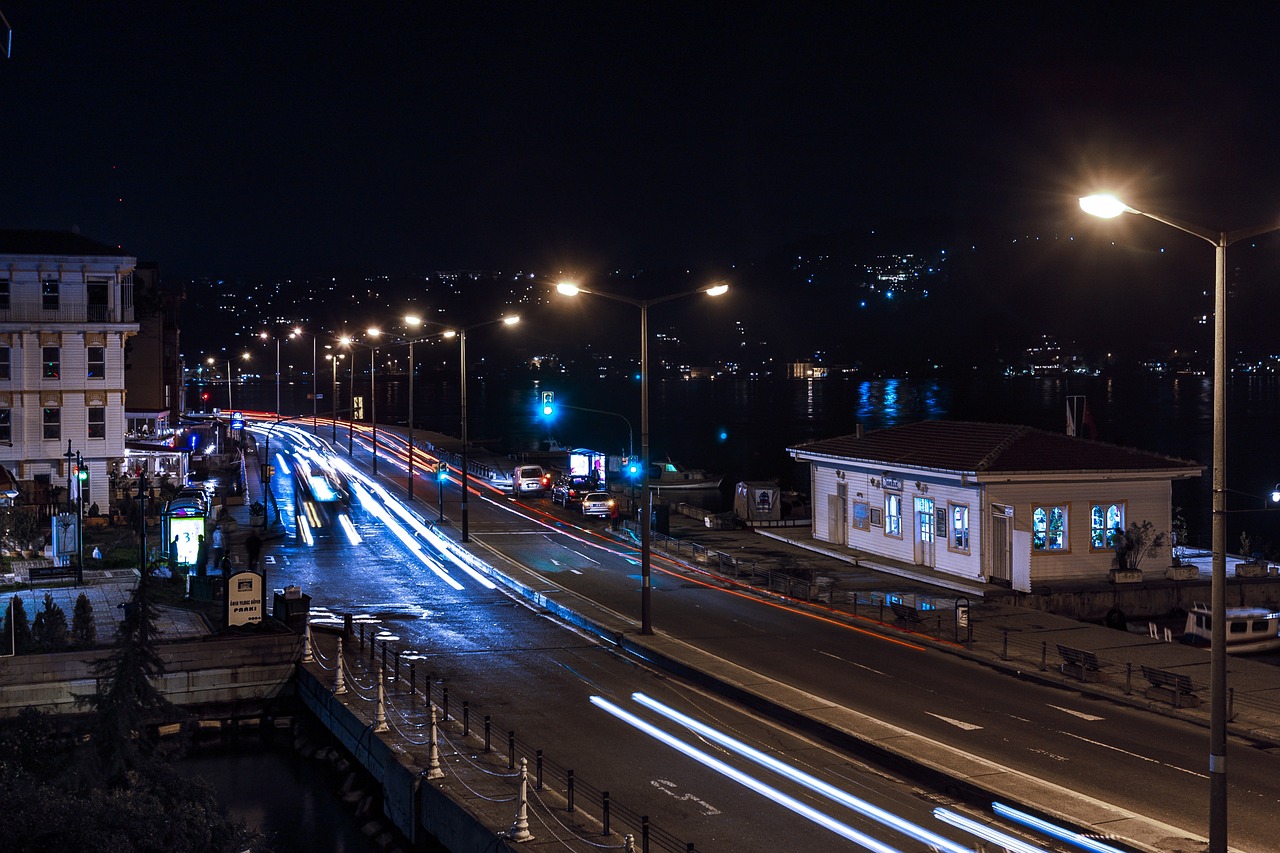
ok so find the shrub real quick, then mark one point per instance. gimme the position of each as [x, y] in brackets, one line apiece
[84, 633]
[49, 630]
[16, 626]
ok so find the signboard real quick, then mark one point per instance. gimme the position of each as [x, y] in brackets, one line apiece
[65, 541]
[357, 408]
[185, 530]
[244, 598]
[237, 420]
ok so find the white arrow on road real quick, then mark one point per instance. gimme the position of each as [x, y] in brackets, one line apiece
[959, 724]
[1081, 714]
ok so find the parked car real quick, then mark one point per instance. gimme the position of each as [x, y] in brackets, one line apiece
[598, 504]
[569, 489]
[194, 494]
[529, 480]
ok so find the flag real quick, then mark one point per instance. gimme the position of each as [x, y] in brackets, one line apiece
[1088, 423]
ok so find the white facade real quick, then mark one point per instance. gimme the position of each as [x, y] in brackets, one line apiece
[66, 310]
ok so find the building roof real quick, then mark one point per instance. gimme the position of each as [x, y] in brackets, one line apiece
[991, 449]
[27, 242]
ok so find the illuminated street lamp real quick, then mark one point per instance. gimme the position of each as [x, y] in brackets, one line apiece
[646, 556]
[412, 322]
[334, 358]
[348, 341]
[1109, 207]
[213, 362]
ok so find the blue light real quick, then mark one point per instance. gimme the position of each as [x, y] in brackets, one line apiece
[723, 435]
[1053, 829]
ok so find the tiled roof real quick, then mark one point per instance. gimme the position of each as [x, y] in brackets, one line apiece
[22, 242]
[990, 448]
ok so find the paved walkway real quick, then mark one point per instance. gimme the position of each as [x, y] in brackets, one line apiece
[107, 592]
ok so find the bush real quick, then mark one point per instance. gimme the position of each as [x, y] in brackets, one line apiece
[49, 630]
[84, 633]
[16, 626]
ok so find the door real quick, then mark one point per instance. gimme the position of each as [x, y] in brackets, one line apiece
[837, 515]
[1001, 546]
[925, 532]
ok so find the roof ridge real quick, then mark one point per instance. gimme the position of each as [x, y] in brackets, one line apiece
[1018, 432]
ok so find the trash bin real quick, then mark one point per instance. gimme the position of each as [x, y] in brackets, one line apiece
[661, 519]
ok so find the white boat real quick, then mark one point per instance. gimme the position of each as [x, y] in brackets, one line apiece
[669, 475]
[1249, 629]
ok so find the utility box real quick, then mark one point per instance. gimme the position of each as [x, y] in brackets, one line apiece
[292, 607]
[661, 519]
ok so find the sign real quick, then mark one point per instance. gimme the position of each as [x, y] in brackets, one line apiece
[65, 540]
[357, 408]
[244, 598]
[187, 530]
[237, 420]
[891, 484]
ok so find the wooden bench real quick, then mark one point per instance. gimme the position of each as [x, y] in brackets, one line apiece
[905, 613]
[50, 572]
[1172, 687]
[1078, 662]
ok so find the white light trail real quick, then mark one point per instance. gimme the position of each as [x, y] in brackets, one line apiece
[350, 529]
[986, 833]
[805, 811]
[844, 798]
[406, 538]
[1053, 829]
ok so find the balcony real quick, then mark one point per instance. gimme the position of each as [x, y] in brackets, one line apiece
[101, 314]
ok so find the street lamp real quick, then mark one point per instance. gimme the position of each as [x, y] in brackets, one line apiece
[413, 322]
[462, 367]
[334, 358]
[212, 362]
[266, 337]
[1109, 207]
[646, 555]
[348, 341]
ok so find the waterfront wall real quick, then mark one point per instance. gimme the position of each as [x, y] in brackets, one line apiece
[1148, 600]
[208, 671]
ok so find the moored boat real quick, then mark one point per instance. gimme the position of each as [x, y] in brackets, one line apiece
[669, 475]
[1249, 629]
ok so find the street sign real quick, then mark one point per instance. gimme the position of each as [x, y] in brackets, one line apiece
[237, 420]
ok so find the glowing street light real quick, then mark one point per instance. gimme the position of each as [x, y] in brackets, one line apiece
[567, 288]
[348, 341]
[1109, 207]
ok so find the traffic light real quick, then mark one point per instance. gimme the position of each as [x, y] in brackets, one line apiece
[205, 396]
[442, 472]
[633, 466]
[82, 473]
[548, 403]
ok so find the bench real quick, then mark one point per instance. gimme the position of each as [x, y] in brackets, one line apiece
[1172, 687]
[905, 613]
[50, 572]
[1078, 662]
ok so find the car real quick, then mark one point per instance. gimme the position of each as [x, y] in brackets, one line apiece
[194, 494]
[529, 480]
[569, 489]
[598, 503]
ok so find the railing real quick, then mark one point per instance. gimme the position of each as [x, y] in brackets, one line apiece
[67, 314]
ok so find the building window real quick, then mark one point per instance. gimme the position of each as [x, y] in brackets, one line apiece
[1049, 528]
[893, 515]
[51, 358]
[1106, 521]
[861, 515]
[959, 527]
[4, 293]
[53, 424]
[97, 422]
[49, 294]
[96, 358]
[6, 425]
[6, 360]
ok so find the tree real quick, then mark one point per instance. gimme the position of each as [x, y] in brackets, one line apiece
[16, 626]
[49, 630]
[84, 633]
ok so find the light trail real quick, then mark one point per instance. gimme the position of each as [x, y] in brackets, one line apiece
[765, 790]
[986, 833]
[1052, 829]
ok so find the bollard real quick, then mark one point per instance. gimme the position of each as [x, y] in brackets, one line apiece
[433, 762]
[511, 750]
[380, 713]
[1004, 649]
[537, 759]
[569, 788]
[444, 704]
[466, 717]
[1044, 652]
[307, 657]
[361, 635]
[339, 684]
[520, 829]
[384, 656]
[628, 843]
[373, 647]
[346, 625]
[644, 833]
[413, 684]
[395, 670]
[604, 806]
[426, 688]
[487, 729]
[1128, 678]
[1231, 703]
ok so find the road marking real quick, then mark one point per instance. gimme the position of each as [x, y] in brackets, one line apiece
[960, 724]
[576, 571]
[1136, 755]
[1049, 754]
[1081, 714]
[583, 556]
[666, 786]
[853, 663]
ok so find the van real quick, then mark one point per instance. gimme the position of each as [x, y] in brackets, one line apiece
[529, 480]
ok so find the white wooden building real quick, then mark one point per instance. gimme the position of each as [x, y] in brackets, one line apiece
[996, 503]
[66, 310]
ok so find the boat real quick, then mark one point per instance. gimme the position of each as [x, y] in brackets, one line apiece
[1249, 629]
[669, 475]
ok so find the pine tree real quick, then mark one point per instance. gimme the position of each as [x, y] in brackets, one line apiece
[84, 633]
[49, 631]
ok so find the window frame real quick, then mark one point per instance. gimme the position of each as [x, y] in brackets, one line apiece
[956, 528]
[5, 293]
[50, 294]
[90, 362]
[51, 429]
[892, 520]
[860, 521]
[1065, 547]
[1108, 542]
[56, 362]
[6, 425]
[6, 363]
[100, 423]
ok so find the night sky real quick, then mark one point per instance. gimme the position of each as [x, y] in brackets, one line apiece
[278, 138]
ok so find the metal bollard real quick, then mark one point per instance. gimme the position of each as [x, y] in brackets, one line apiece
[569, 789]
[537, 764]
[339, 683]
[384, 656]
[346, 625]
[426, 688]
[362, 636]
[604, 805]
[433, 763]
[413, 688]
[487, 731]
[466, 717]
[395, 670]
[1128, 678]
[1044, 652]
[511, 750]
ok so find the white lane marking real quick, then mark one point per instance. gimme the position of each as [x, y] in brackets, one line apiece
[576, 571]
[583, 556]
[1081, 714]
[1136, 755]
[852, 663]
[667, 787]
[959, 724]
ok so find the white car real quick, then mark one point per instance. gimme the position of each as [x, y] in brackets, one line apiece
[597, 503]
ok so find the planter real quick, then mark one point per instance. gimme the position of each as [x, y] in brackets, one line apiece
[1125, 575]
[1251, 570]
[1182, 573]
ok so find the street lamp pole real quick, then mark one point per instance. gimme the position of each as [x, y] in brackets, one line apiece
[1109, 207]
[349, 342]
[413, 321]
[646, 499]
[462, 367]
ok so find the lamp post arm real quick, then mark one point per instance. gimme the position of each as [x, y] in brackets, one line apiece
[630, 433]
[1216, 238]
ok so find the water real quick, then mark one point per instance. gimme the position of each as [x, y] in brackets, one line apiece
[741, 428]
